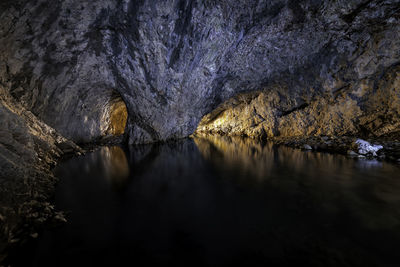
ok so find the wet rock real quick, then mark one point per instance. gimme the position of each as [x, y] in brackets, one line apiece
[28, 150]
[307, 147]
[343, 145]
[365, 147]
[34, 235]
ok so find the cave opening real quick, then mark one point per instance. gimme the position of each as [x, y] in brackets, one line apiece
[115, 116]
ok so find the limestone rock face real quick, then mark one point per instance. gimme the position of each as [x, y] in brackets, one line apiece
[174, 61]
[369, 107]
[28, 149]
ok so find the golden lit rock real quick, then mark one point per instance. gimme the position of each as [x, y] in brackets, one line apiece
[118, 118]
[370, 107]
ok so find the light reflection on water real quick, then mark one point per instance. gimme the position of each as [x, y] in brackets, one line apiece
[115, 165]
[109, 163]
[224, 201]
[329, 178]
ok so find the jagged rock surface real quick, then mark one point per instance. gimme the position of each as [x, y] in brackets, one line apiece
[174, 61]
[28, 150]
[370, 107]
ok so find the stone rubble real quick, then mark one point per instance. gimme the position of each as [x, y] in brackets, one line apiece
[28, 150]
[365, 148]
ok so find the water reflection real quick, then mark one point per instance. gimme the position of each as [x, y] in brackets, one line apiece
[261, 159]
[224, 201]
[369, 189]
[109, 163]
[115, 165]
[244, 156]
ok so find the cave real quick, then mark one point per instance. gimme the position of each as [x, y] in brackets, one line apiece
[190, 132]
[115, 116]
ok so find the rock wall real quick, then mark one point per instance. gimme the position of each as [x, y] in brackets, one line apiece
[174, 61]
[28, 150]
[117, 116]
[368, 108]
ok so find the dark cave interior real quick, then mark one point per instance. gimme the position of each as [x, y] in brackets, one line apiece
[145, 75]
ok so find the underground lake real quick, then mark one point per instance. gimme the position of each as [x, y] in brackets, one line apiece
[199, 133]
[222, 201]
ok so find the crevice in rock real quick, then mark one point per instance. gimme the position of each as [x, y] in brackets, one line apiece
[352, 15]
[302, 106]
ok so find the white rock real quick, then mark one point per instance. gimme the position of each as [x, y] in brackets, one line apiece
[365, 147]
[307, 147]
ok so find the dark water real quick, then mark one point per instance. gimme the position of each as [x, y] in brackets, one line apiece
[224, 202]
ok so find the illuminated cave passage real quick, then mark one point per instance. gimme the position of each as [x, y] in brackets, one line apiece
[100, 115]
[115, 116]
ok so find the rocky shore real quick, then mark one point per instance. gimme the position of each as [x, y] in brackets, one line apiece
[388, 148]
[29, 149]
[346, 145]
